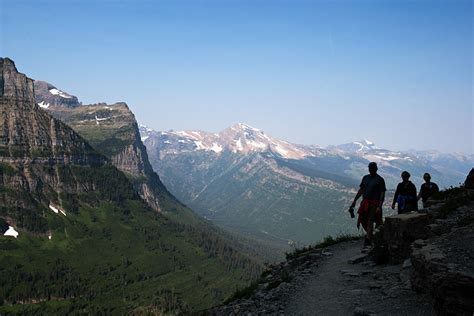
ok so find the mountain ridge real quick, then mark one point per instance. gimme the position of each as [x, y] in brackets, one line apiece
[87, 242]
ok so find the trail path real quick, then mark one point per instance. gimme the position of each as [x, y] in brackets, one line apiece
[339, 288]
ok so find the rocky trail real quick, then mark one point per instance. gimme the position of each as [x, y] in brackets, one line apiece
[421, 264]
[338, 287]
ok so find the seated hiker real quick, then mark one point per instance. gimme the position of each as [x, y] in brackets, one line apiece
[372, 189]
[405, 195]
[428, 189]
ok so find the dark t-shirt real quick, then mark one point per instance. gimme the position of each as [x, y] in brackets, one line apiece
[405, 189]
[427, 190]
[372, 187]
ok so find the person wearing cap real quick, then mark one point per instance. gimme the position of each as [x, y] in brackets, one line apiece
[405, 195]
[372, 189]
[428, 189]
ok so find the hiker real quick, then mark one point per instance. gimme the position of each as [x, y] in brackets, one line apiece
[427, 190]
[372, 189]
[405, 195]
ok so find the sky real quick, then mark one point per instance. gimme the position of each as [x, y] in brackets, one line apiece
[399, 73]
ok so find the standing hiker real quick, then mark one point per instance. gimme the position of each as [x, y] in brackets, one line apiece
[405, 195]
[372, 189]
[428, 189]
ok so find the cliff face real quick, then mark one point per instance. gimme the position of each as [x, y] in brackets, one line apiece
[47, 95]
[112, 130]
[74, 229]
[42, 160]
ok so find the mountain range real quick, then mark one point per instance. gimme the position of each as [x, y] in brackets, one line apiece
[282, 193]
[87, 226]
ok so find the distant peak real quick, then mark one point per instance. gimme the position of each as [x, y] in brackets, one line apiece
[245, 127]
[46, 93]
[364, 142]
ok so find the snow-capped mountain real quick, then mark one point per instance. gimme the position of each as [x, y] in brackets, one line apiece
[357, 146]
[251, 182]
[244, 139]
[239, 138]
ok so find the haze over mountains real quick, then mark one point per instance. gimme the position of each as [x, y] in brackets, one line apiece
[253, 183]
[242, 178]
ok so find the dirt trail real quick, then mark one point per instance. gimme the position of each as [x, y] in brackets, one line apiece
[339, 288]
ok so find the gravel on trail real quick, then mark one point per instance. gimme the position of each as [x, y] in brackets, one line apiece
[338, 287]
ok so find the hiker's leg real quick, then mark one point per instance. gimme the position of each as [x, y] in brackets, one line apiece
[370, 221]
[370, 229]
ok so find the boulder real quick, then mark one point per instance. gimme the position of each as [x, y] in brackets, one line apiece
[400, 231]
[444, 269]
[469, 183]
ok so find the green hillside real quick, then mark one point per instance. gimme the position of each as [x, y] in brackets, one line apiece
[88, 242]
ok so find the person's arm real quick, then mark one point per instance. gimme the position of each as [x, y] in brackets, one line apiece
[381, 200]
[395, 197]
[358, 195]
[413, 188]
[419, 193]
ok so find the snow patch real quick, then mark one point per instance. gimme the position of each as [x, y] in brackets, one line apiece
[11, 232]
[238, 143]
[144, 138]
[216, 148]
[256, 144]
[44, 105]
[57, 210]
[62, 94]
[199, 145]
[248, 127]
[97, 120]
[281, 150]
[54, 209]
[368, 142]
[167, 142]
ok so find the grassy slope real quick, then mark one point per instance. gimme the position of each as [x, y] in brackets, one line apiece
[120, 260]
[118, 255]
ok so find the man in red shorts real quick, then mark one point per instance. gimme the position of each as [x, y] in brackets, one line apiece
[372, 189]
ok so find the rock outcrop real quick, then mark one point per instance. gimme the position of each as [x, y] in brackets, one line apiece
[400, 231]
[43, 161]
[443, 264]
[113, 131]
[47, 95]
[469, 183]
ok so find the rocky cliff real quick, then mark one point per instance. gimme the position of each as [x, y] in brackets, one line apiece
[112, 130]
[47, 95]
[38, 154]
[75, 236]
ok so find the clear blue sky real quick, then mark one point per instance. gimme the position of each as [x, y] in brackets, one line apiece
[313, 72]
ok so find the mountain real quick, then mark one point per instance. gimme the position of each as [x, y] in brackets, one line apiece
[246, 180]
[446, 169]
[47, 95]
[358, 146]
[112, 130]
[251, 183]
[78, 238]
